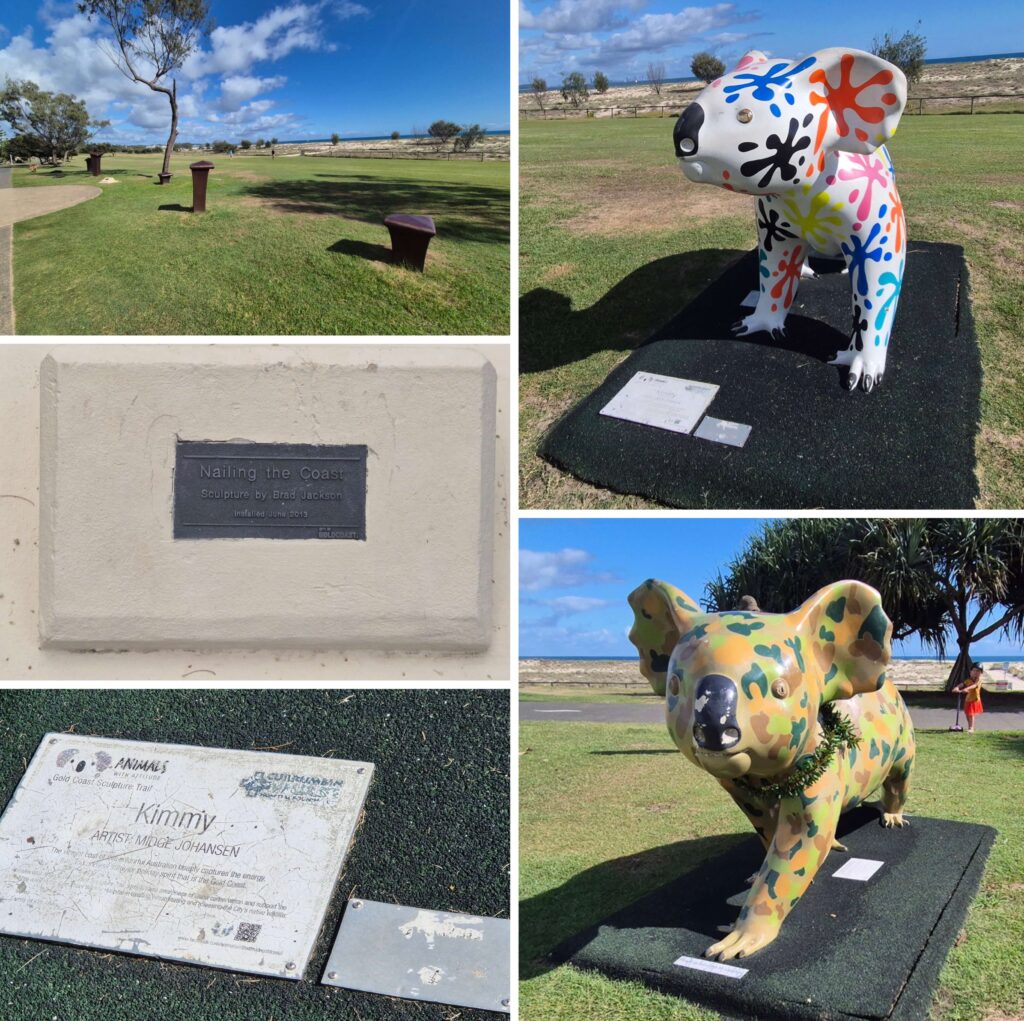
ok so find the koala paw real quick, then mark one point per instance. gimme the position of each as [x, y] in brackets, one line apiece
[890, 819]
[859, 370]
[806, 273]
[740, 942]
[755, 323]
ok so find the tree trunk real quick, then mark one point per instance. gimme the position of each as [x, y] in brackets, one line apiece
[172, 97]
[961, 666]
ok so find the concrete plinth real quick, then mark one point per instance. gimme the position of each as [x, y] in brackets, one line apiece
[113, 576]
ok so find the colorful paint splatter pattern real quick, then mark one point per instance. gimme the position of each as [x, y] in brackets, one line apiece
[809, 143]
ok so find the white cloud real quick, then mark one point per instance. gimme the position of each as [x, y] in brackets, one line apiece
[564, 568]
[240, 88]
[611, 35]
[74, 56]
[580, 15]
[235, 48]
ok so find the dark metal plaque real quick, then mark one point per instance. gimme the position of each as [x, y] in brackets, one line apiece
[269, 491]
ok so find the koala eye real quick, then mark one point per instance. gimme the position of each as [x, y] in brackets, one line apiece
[744, 116]
[780, 689]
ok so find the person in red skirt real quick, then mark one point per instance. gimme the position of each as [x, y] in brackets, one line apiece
[971, 689]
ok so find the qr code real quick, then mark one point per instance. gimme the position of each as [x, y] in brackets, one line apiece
[247, 932]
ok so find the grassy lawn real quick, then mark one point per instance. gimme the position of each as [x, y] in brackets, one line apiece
[614, 241]
[604, 807]
[288, 246]
[601, 696]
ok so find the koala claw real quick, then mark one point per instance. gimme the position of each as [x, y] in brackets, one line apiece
[890, 819]
[859, 372]
[755, 324]
[739, 944]
[836, 846]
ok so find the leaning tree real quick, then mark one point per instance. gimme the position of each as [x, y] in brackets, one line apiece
[153, 39]
[936, 576]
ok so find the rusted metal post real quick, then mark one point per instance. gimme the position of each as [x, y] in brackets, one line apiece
[410, 237]
[200, 172]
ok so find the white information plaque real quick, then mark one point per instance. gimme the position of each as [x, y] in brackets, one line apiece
[204, 855]
[662, 401]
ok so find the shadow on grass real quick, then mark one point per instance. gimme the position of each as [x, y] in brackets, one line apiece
[553, 334]
[642, 751]
[463, 212]
[562, 917]
[174, 207]
[362, 250]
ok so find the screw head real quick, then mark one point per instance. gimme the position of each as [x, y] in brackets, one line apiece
[744, 116]
[332, 974]
[290, 966]
[361, 769]
[505, 1002]
[356, 904]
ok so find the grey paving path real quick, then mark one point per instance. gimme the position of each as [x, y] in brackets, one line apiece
[596, 712]
[6, 267]
[24, 203]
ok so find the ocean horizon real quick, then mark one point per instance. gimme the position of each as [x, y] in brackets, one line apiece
[525, 86]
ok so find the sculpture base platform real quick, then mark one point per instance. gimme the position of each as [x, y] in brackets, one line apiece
[909, 444]
[851, 949]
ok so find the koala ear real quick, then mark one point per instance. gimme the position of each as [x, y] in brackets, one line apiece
[662, 614]
[864, 94]
[845, 631]
[748, 59]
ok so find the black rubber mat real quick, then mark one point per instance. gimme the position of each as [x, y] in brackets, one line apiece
[907, 445]
[866, 950]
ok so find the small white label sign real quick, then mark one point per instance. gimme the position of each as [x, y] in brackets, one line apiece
[205, 855]
[720, 431]
[664, 402]
[715, 967]
[858, 868]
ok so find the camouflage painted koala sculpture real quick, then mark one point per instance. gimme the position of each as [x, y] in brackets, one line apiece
[807, 137]
[792, 714]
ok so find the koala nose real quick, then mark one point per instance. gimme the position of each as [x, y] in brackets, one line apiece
[687, 129]
[714, 717]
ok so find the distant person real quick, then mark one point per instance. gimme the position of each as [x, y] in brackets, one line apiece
[273, 153]
[971, 689]
[748, 603]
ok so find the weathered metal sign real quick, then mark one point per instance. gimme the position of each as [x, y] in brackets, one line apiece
[269, 491]
[205, 855]
[439, 956]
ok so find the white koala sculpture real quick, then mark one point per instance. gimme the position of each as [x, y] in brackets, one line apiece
[807, 137]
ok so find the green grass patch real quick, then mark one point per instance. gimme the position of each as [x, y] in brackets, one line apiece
[288, 246]
[596, 696]
[614, 241]
[606, 810]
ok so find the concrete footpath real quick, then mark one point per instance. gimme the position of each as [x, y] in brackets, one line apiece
[24, 203]
[925, 718]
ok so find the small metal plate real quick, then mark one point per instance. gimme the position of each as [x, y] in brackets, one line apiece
[720, 431]
[204, 855]
[435, 956]
[269, 491]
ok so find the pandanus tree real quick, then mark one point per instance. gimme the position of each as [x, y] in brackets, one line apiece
[940, 579]
[152, 40]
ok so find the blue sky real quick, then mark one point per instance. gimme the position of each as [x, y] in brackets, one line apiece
[293, 69]
[575, 575]
[620, 37]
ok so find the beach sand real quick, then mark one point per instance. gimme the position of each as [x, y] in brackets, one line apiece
[911, 674]
[1004, 75]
